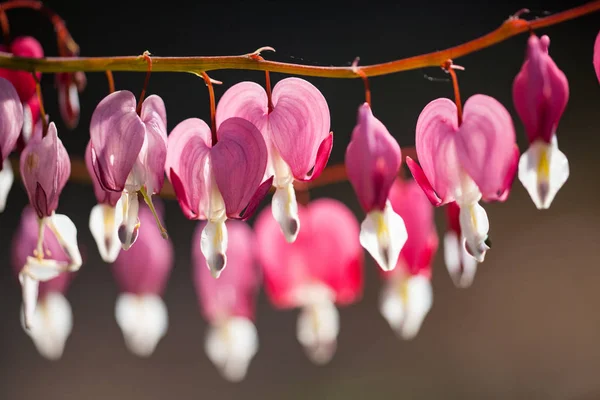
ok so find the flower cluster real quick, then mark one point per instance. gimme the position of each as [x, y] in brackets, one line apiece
[309, 256]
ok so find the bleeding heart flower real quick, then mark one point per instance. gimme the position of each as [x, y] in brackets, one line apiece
[296, 129]
[69, 85]
[106, 216]
[373, 160]
[407, 295]
[128, 153]
[322, 268]
[142, 274]
[228, 303]
[466, 163]
[24, 82]
[42, 250]
[596, 61]
[460, 264]
[217, 182]
[540, 95]
[11, 122]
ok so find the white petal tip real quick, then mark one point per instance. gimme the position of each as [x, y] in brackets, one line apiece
[285, 211]
[321, 353]
[383, 234]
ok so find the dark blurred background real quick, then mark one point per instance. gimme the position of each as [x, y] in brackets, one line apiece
[528, 328]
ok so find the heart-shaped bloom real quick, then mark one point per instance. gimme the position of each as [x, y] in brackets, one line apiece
[460, 264]
[321, 269]
[106, 216]
[69, 85]
[11, 122]
[128, 152]
[41, 253]
[540, 95]
[296, 130]
[217, 182]
[407, 295]
[596, 60]
[24, 82]
[228, 303]
[142, 273]
[373, 160]
[466, 163]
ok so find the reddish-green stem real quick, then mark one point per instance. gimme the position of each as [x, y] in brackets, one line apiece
[38, 91]
[448, 66]
[146, 57]
[213, 106]
[111, 81]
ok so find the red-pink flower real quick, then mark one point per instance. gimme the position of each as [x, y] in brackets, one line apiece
[407, 295]
[69, 85]
[540, 95]
[296, 129]
[323, 267]
[228, 303]
[217, 182]
[46, 314]
[461, 266]
[466, 163]
[142, 273]
[129, 152]
[11, 122]
[373, 160]
[596, 60]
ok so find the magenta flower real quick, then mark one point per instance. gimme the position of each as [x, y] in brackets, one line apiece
[217, 182]
[296, 129]
[466, 163]
[373, 160]
[540, 95]
[45, 169]
[228, 303]
[461, 266]
[407, 295]
[129, 152]
[46, 314]
[106, 216]
[69, 85]
[322, 268]
[596, 61]
[142, 274]
[11, 122]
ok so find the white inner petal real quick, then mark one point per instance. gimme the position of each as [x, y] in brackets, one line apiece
[66, 233]
[213, 241]
[543, 170]
[460, 264]
[231, 345]
[50, 325]
[143, 319]
[474, 226]
[104, 226]
[317, 330]
[129, 229]
[6, 181]
[285, 211]
[28, 124]
[383, 234]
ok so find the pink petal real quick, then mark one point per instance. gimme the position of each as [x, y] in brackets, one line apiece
[409, 201]
[452, 216]
[322, 157]
[597, 56]
[540, 91]
[24, 46]
[239, 162]
[154, 117]
[258, 196]
[247, 100]
[45, 169]
[336, 263]
[373, 160]
[234, 293]
[102, 196]
[117, 135]
[11, 118]
[145, 267]
[485, 144]
[298, 124]
[435, 136]
[188, 166]
[422, 181]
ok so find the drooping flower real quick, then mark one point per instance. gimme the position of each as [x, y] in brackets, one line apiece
[11, 122]
[476, 160]
[295, 123]
[24, 81]
[106, 216]
[217, 182]
[321, 269]
[373, 160]
[69, 85]
[128, 152]
[460, 264]
[45, 169]
[540, 95]
[142, 273]
[52, 320]
[228, 303]
[407, 295]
